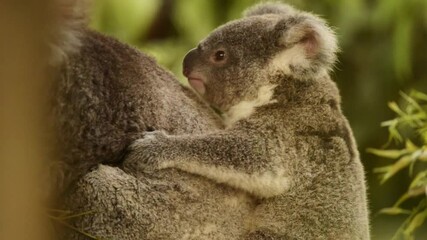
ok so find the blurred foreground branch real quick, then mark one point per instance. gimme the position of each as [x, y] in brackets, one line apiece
[22, 138]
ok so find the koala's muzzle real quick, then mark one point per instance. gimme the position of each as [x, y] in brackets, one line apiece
[195, 79]
[189, 61]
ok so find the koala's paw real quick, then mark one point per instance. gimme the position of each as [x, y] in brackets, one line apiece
[146, 154]
[153, 135]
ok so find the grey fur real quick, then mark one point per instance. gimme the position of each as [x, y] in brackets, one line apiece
[294, 150]
[65, 35]
[106, 94]
[269, 8]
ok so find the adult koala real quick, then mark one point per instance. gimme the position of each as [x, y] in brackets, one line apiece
[106, 94]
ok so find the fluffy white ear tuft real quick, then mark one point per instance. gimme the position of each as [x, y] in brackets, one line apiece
[309, 46]
[66, 33]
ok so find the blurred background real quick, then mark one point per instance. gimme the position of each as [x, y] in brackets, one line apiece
[384, 51]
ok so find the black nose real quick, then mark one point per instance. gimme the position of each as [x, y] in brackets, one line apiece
[188, 62]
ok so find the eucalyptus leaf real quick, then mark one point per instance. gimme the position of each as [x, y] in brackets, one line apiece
[411, 116]
[402, 199]
[396, 167]
[416, 222]
[419, 180]
[410, 146]
[419, 95]
[392, 153]
[394, 211]
[393, 106]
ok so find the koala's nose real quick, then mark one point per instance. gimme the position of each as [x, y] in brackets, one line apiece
[186, 71]
[188, 62]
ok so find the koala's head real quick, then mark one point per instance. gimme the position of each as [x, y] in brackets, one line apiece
[271, 41]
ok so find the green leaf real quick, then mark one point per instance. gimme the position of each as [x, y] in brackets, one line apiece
[423, 156]
[411, 101]
[415, 192]
[412, 192]
[393, 106]
[382, 169]
[411, 117]
[394, 211]
[401, 232]
[415, 156]
[410, 146]
[393, 154]
[399, 165]
[418, 95]
[402, 199]
[392, 129]
[411, 168]
[416, 222]
[419, 180]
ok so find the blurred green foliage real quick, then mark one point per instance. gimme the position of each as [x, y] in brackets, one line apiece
[409, 126]
[383, 43]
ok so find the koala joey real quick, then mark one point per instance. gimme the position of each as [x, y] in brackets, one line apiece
[286, 141]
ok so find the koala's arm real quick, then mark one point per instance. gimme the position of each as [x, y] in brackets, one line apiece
[233, 158]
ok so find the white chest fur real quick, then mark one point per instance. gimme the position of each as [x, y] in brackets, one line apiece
[245, 109]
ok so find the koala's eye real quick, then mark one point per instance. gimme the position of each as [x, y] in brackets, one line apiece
[219, 56]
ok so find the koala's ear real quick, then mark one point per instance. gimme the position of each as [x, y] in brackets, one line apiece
[269, 8]
[306, 45]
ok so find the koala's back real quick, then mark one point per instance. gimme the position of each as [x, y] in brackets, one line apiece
[107, 96]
